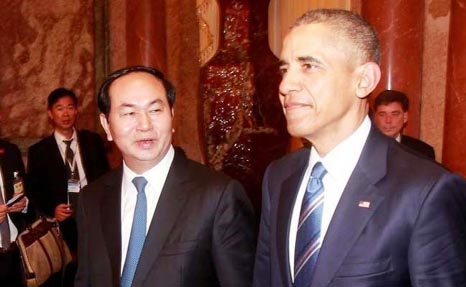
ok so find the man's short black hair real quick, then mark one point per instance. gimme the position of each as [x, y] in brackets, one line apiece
[103, 98]
[391, 96]
[59, 93]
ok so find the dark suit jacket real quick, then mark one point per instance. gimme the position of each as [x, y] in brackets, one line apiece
[418, 146]
[413, 233]
[11, 161]
[48, 182]
[201, 233]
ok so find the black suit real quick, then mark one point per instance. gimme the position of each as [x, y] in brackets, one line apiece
[401, 221]
[48, 184]
[11, 161]
[48, 181]
[418, 146]
[201, 233]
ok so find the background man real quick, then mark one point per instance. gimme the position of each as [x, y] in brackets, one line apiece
[12, 219]
[356, 209]
[391, 115]
[51, 164]
[161, 219]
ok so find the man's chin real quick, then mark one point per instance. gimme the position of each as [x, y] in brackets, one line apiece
[389, 134]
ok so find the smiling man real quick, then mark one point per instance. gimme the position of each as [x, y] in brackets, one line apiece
[161, 219]
[356, 209]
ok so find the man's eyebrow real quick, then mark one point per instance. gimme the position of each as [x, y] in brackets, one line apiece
[308, 59]
[126, 105]
[129, 105]
[62, 106]
[282, 63]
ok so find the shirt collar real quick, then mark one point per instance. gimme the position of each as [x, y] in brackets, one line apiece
[60, 138]
[342, 159]
[157, 171]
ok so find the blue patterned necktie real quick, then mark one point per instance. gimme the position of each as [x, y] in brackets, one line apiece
[308, 239]
[138, 234]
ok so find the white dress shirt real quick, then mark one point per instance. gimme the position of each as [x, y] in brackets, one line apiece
[13, 229]
[155, 177]
[339, 163]
[77, 154]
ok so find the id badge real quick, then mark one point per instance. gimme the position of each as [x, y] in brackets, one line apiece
[73, 192]
[74, 186]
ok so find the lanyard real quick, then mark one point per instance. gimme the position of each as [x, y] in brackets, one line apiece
[76, 154]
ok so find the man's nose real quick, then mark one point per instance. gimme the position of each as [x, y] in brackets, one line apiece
[144, 121]
[388, 119]
[290, 83]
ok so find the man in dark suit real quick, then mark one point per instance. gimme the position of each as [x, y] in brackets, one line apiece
[356, 209]
[391, 115]
[161, 219]
[13, 218]
[51, 170]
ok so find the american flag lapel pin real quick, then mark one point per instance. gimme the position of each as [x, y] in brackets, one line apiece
[364, 204]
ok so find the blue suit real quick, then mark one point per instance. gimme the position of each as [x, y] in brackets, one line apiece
[412, 234]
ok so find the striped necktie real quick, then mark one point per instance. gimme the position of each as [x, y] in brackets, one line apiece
[308, 239]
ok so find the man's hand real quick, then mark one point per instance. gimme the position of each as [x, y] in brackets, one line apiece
[3, 212]
[63, 211]
[18, 206]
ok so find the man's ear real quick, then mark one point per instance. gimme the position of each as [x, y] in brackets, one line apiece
[405, 117]
[49, 113]
[105, 125]
[368, 78]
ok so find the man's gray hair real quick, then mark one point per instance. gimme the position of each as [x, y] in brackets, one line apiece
[351, 27]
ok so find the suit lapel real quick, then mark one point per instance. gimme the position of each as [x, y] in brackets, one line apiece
[288, 193]
[85, 154]
[350, 218]
[82, 151]
[110, 208]
[4, 170]
[171, 202]
[54, 155]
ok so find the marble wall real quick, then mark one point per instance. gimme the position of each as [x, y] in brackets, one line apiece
[454, 136]
[434, 73]
[43, 47]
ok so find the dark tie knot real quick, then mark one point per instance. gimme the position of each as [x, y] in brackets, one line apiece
[140, 183]
[68, 142]
[318, 171]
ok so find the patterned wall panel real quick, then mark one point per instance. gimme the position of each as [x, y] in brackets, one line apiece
[244, 127]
